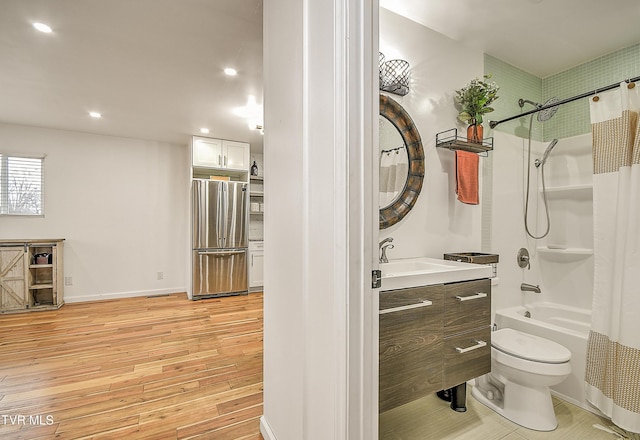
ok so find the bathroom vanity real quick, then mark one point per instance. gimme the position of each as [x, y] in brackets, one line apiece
[434, 336]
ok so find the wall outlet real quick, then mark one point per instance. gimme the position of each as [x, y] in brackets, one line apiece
[68, 281]
[160, 275]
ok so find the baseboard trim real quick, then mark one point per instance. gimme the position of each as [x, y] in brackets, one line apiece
[265, 429]
[102, 296]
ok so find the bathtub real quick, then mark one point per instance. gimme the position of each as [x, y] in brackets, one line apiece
[566, 325]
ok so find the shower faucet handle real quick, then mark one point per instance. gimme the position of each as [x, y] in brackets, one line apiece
[523, 259]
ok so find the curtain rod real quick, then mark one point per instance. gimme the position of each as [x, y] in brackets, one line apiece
[493, 124]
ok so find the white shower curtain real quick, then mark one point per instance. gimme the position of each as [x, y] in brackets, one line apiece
[394, 166]
[613, 356]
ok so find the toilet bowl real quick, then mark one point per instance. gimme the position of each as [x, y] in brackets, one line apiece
[523, 367]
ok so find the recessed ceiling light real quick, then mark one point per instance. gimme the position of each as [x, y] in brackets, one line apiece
[230, 71]
[204, 130]
[42, 27]
[95, 115]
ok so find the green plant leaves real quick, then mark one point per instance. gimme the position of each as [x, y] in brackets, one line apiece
[473, 100]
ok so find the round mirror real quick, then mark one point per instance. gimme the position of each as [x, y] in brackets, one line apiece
[401, 162]
[394, 163]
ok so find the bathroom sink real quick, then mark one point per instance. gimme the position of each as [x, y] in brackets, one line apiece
[412, 265]
[424, 271]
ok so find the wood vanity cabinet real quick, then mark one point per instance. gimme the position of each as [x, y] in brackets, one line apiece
[410, 344]
[467, 326]
[432, 338]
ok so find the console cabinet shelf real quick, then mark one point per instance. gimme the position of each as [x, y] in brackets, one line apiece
[31, 275]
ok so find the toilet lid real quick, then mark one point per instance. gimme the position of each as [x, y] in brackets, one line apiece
[530, 347]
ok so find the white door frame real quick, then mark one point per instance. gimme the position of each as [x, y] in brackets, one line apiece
[321, 118]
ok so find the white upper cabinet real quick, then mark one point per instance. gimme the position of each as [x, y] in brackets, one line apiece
[236, 155]
[221, 154]
[207, 153]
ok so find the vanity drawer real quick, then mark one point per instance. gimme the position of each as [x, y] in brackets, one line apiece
[405, 298]
[466, 356]
[467, 306]
[410, 345]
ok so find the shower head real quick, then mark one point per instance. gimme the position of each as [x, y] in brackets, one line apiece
[546, 114]
[540, 162]
[543, 115]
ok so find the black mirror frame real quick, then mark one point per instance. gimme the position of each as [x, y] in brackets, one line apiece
[396, 211]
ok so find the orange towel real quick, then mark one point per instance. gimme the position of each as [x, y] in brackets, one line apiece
[467, 177]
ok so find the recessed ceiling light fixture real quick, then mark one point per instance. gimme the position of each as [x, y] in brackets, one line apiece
[204, 130]
[42, 27]
[230, 71]
[95, 115]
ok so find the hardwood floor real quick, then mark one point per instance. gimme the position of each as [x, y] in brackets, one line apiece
[137, 368]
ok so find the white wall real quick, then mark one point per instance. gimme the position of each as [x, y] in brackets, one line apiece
[119, 204]
[438, 223]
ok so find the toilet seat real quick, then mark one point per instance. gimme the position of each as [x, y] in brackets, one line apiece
[529, 347]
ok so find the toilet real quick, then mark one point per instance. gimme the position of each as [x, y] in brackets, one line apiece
[523, 367]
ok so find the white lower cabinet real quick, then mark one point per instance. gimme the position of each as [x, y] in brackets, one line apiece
[256, 264]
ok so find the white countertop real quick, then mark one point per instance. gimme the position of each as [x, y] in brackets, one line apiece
[424, 271]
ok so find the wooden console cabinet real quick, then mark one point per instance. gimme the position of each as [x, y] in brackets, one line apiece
[432, 338]
[31, 275]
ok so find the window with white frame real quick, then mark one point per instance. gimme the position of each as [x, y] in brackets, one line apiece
[21, 185]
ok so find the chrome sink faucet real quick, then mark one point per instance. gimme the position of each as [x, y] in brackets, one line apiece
[384, 245]
[529, 288]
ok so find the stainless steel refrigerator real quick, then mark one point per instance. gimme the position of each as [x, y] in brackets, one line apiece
[219, 230]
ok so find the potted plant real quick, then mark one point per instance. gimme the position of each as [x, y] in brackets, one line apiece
[473, 101]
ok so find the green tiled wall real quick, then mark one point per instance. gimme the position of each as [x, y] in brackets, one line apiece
[514, 84]
[571, 119]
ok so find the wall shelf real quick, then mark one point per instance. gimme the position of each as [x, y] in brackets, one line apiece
[451, 140]
[582, 191]
[41, 286]
[564, 254]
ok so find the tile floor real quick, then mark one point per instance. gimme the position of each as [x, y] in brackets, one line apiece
[430, 418]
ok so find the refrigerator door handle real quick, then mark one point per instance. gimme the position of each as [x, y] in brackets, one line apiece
[219, 216]
[224, 213]
[221, 253]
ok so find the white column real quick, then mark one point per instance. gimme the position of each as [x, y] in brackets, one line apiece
[320, 356]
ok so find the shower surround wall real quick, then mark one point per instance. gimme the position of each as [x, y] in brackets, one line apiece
[569, 164]
[562, 262]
